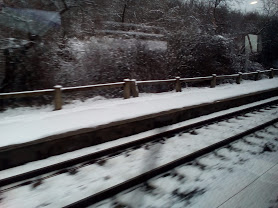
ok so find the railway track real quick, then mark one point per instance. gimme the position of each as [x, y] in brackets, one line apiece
[229, 128]
[195, 182]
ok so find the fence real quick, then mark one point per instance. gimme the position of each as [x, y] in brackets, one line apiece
[130, 87]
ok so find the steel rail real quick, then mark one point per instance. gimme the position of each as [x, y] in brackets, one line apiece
[105, 194]
[62, 166]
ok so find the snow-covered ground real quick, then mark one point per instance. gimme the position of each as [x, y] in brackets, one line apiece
[66, 188]
[81, 47]
[85, 151]
[27, 124]
[242, 175]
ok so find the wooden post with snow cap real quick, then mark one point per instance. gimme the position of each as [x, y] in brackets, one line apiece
[58, 101]
[271, 73]
[239, 78]
[134, 88]
[258, 75]
[178, 84]
[126, 88]
[213, 81]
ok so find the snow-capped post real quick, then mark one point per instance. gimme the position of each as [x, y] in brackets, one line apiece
[178, 84]
[258, 75]
[239, 78]
[271, 73]
[127, 88]
[213, 81]
[58, 101]
[134, 88]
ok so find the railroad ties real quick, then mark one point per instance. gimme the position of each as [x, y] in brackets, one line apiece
[146, 164]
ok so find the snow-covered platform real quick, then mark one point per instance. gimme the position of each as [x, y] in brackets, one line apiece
[33, 134]
[253, 184]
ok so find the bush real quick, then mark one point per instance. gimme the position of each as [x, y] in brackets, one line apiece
[202, 55]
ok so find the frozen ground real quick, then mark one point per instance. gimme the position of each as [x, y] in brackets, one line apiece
[27, 124]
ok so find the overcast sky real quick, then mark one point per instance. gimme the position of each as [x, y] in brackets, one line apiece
[246, 5]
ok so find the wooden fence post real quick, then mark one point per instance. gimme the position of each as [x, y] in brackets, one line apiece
[239, 78]
[126, 88]
[178, 84]
[58, 101]
[271, 73]
[213, 81]
[134, 88]
[258, 75]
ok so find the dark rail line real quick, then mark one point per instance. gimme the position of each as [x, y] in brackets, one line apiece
[162, 169]
[64, 166]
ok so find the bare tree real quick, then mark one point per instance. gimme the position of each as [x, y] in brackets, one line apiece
[270, 7]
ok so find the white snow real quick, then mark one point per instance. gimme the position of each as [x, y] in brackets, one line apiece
[241, 188]
[27, 124]
[261, 193]
[60, 190]
[130, 33]
[241, 180]
[67, 156]
[133, 25]
[80, 48]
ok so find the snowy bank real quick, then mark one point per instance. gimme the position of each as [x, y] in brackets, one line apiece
[27, 124]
